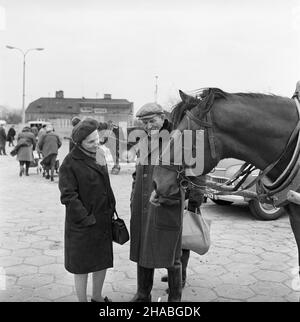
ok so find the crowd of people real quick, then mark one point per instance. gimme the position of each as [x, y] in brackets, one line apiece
[44, 141]
[155, 229]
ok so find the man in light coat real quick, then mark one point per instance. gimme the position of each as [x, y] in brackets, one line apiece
[155, 229]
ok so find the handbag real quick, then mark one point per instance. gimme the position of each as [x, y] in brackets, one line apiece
[119, 230]
[195, 232]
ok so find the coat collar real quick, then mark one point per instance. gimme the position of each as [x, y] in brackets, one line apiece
[77, 154]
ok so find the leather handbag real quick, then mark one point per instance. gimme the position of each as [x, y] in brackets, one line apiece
[195, 232]
[119, 230]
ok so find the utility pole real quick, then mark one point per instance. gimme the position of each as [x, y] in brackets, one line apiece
[23, 82]
[156, 89]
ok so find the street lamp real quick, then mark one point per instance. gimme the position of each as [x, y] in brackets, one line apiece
[24, 62]
[156, 89]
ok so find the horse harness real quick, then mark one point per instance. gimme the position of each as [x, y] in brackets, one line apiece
[274, 193]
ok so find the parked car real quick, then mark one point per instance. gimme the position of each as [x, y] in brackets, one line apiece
[38, 124]
[223, 172]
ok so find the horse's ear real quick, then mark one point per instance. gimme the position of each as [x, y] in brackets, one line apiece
[186, 98]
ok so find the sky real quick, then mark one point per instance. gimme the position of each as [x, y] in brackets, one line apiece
[118, 47]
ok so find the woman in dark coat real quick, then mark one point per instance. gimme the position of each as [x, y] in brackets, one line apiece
[86, 192]
[11, 136]
[26, 143]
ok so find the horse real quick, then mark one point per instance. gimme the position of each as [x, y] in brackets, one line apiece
[260, 129]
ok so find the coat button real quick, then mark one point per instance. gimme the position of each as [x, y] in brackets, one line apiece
[145, 175]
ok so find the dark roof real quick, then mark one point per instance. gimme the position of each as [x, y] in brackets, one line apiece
[59, 105]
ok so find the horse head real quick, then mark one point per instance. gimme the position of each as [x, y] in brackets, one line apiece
[191, 114]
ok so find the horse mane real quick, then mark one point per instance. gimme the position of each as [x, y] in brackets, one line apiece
[206, 100]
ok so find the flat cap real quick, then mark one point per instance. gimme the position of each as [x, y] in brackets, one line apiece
[83, 129]
[149, 110]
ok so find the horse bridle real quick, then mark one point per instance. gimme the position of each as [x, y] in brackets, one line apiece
[183, 180]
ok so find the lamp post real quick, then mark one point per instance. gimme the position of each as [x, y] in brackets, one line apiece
[156, 89]
[24, 65]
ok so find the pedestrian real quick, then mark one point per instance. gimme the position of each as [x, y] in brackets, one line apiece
[2, 140]
[35, 131]
[75, 120]
[90, 203]
[42, 131]
[11, 135]
[49, 144]
[155, 230]
[26, 143]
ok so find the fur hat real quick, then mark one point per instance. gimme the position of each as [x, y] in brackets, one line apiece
[83, 129]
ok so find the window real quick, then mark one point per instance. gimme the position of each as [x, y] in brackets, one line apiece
[86, 109]
[100, 110]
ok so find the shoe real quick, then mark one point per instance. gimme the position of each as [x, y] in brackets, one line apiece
[105, 299]
[47, 177]
[52, 179]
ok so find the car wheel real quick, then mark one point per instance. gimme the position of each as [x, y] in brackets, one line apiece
[264, 211]
[222, 202]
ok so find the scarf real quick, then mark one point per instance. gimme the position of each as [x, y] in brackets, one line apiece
[98, 156]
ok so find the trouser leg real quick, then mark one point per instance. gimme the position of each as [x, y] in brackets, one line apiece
[52, 164]
[27, 164]
[21, 168]
[175, 282]
[184, 261]
[144, 284]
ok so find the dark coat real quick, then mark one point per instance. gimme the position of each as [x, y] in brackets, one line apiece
[49, 143]
[155, 231]
[2, 136]
[25, 152]
[89, 200]
[11, 134]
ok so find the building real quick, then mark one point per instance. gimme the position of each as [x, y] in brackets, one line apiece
[60, 110]
[3, 112]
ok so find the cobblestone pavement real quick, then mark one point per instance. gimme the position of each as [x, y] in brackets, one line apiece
[249, 260]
